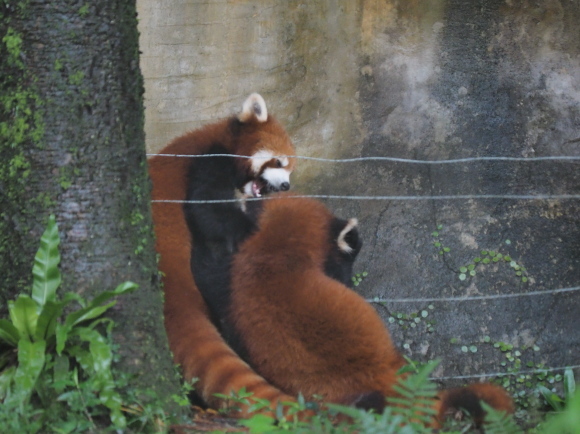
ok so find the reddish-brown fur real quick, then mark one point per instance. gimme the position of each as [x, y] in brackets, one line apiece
[495, 396]
[304, 332]
[195, 342]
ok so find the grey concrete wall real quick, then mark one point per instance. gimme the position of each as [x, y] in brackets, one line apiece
[431, 79]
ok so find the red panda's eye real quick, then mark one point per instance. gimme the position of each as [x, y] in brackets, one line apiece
[278, 163]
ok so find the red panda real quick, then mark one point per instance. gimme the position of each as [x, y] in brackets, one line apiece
[194, 340]
[307, 333]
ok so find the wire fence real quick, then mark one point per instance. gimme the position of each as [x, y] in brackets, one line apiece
[539, 196]
[506, 374]
[473, 298]
[562, 158]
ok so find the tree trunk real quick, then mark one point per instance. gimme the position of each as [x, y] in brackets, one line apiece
[71, 124]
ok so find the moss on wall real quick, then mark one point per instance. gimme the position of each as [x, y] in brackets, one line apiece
[21, 128]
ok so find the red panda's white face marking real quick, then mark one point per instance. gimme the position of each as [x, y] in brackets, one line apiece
[271, 173]
[259, 159]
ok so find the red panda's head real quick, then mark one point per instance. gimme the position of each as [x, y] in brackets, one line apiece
[304, 232]
[259, 136]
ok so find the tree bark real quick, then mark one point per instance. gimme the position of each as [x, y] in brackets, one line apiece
[74, 83]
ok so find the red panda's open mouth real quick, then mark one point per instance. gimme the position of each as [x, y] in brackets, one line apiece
[258, 188]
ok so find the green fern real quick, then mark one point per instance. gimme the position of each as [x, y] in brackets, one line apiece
[409, 413]
[499, 422]
[416, 397]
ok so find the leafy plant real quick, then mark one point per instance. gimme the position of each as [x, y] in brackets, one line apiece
[553, 400]
[48, 361]
[568, 421]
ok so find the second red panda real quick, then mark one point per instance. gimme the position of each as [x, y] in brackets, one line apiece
[305, 332]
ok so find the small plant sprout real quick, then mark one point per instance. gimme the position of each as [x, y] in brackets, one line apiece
[491, 257]
[438, 243]
[521, 372]
[358, 278]
[413, 319]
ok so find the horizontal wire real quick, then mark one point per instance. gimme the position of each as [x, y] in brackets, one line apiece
[503, 374]
[563, 158]
[477, 297]
[394, 198]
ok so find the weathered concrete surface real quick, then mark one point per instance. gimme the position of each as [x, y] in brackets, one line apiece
[423, 80]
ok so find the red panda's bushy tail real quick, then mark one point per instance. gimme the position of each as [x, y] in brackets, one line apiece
[469, 398]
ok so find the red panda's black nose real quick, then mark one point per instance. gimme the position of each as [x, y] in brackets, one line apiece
[285, 186]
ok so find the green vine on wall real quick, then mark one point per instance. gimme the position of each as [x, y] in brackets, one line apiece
[479, 262]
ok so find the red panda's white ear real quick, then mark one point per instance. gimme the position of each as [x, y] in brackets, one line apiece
[343, 241]
[254, 105]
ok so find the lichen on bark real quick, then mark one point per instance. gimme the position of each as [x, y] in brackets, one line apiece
[21, 128]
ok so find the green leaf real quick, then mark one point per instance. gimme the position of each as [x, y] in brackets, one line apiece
[9, 333]
[567, 421]
[123, 288]
[551, 398]
[31, 356]
[92, 310]
[45, 272]
[62, 332]
[259, 423]
[99, 348]
[86, 313]
[6, 378]
[61, 373]
[24, 315]
[47, 320]
[569, 384]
